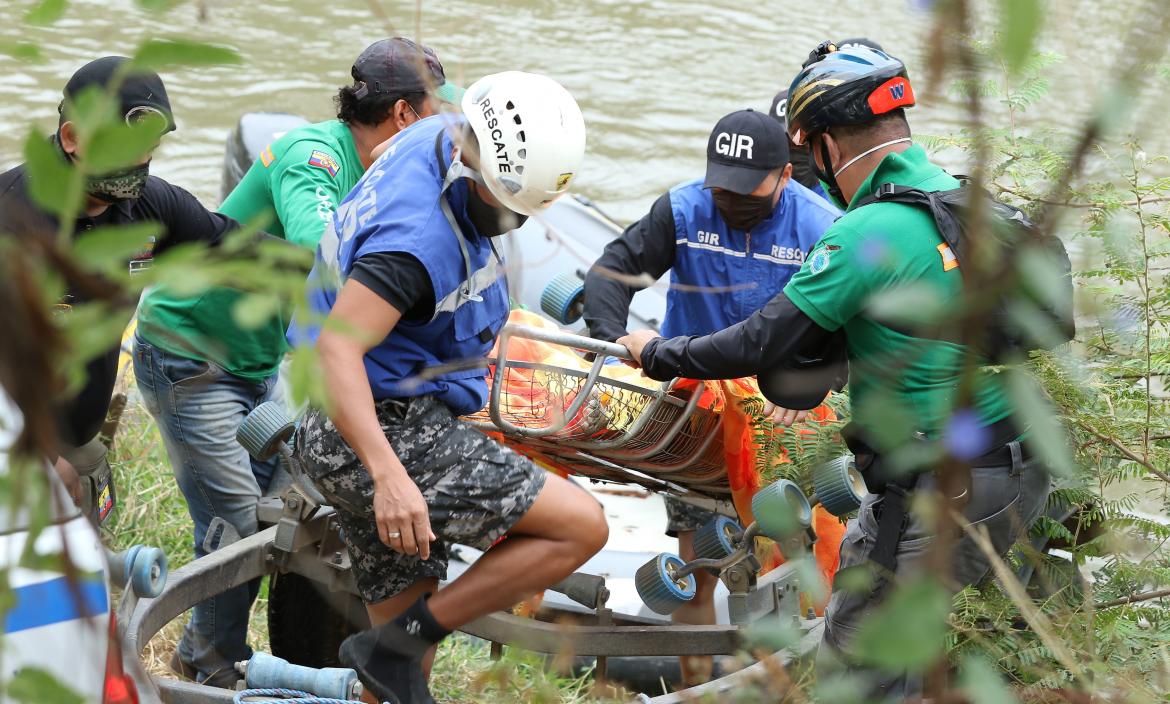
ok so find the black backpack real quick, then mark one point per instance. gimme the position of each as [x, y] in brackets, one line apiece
[1029, 312]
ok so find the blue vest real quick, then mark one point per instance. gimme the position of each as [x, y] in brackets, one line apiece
[720, 275]
[395, 208]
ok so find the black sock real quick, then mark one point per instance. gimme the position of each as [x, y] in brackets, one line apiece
[388, 658]
[418, 621]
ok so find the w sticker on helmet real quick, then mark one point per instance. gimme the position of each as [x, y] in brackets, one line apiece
[563, 180]
[894, 93]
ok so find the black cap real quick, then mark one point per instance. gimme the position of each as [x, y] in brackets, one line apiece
[397, 65]
[780, 108]
[743, 148]
[140, 91]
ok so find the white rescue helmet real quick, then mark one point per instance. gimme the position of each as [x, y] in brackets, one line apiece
[531, 137]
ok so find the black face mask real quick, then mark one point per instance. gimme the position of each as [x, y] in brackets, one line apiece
[489, 220]
[115, 187]
[803, 170]
[744, 212]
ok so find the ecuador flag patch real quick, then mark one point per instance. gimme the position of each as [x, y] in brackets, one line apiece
[324, 161]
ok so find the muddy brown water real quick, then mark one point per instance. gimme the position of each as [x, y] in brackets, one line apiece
[652, 76]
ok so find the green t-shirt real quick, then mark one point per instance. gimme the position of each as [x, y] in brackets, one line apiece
[292, 191]
[898, 383]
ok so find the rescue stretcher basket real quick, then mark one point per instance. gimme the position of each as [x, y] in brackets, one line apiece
[588, 420]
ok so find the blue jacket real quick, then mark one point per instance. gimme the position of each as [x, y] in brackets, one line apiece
[720, 275]
[395, 208]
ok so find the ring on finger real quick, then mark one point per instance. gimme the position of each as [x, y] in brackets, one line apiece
[393, 535]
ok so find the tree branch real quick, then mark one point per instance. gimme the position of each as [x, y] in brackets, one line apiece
[1129, 454]
[1133, 598]
[1071, 204]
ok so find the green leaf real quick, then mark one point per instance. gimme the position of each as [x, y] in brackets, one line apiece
[982, 684]
[107, 249]
[908, 631]
[255, 310]
[306, 382]
[1046, 433]
[92, 109]
[92, 329]
[773, 635]
[53, 184]
[32, 685]
[842, 688]
[1044, 277]
[183, 269]
[46, 12]
[910, 305]
[1116, 107]
[115, 146]
[1019, 23]
[857, 579]
[158, 5]
[812, 582]
[22, 51]
[158, 54]
[44, 562]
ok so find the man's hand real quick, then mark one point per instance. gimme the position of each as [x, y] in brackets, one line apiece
[783, 416]
[635, 342]
[404, 523]
[68, 474]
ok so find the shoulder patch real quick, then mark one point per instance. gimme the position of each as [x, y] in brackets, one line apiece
[267, 157]
[819, 261]
[949, 261]
[324, 161]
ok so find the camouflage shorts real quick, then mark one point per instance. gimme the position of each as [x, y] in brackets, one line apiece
[475, 488]
[682, 517]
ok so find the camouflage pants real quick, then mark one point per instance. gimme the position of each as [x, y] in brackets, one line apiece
[475, 488]
[682, 517]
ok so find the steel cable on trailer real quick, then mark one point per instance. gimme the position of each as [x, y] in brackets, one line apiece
[284, 696]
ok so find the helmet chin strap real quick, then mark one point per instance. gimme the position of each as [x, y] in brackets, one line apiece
[826, 174]
[455, 171]
[867, 152]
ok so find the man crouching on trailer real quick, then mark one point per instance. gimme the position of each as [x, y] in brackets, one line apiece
[420, 302]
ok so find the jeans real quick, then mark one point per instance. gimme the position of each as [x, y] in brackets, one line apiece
[198, 408]
[1004, 501]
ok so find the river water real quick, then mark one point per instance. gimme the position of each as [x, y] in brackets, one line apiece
[652, 76]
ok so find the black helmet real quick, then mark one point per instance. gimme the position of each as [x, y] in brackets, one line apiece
[847, 86]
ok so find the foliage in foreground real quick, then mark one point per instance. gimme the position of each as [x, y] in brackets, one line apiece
[1069, 635]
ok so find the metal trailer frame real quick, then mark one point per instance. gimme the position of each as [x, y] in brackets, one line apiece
[303, 537]
[309, 549]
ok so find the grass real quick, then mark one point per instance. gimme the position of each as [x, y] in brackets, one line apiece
[151, 511]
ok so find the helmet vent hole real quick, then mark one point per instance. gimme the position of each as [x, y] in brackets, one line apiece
[520, 169]
[520, 136]
[510, 105]
[521, 154]
[516, 119]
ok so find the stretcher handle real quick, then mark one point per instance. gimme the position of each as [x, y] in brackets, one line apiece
[568, 339]
[601, 349]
